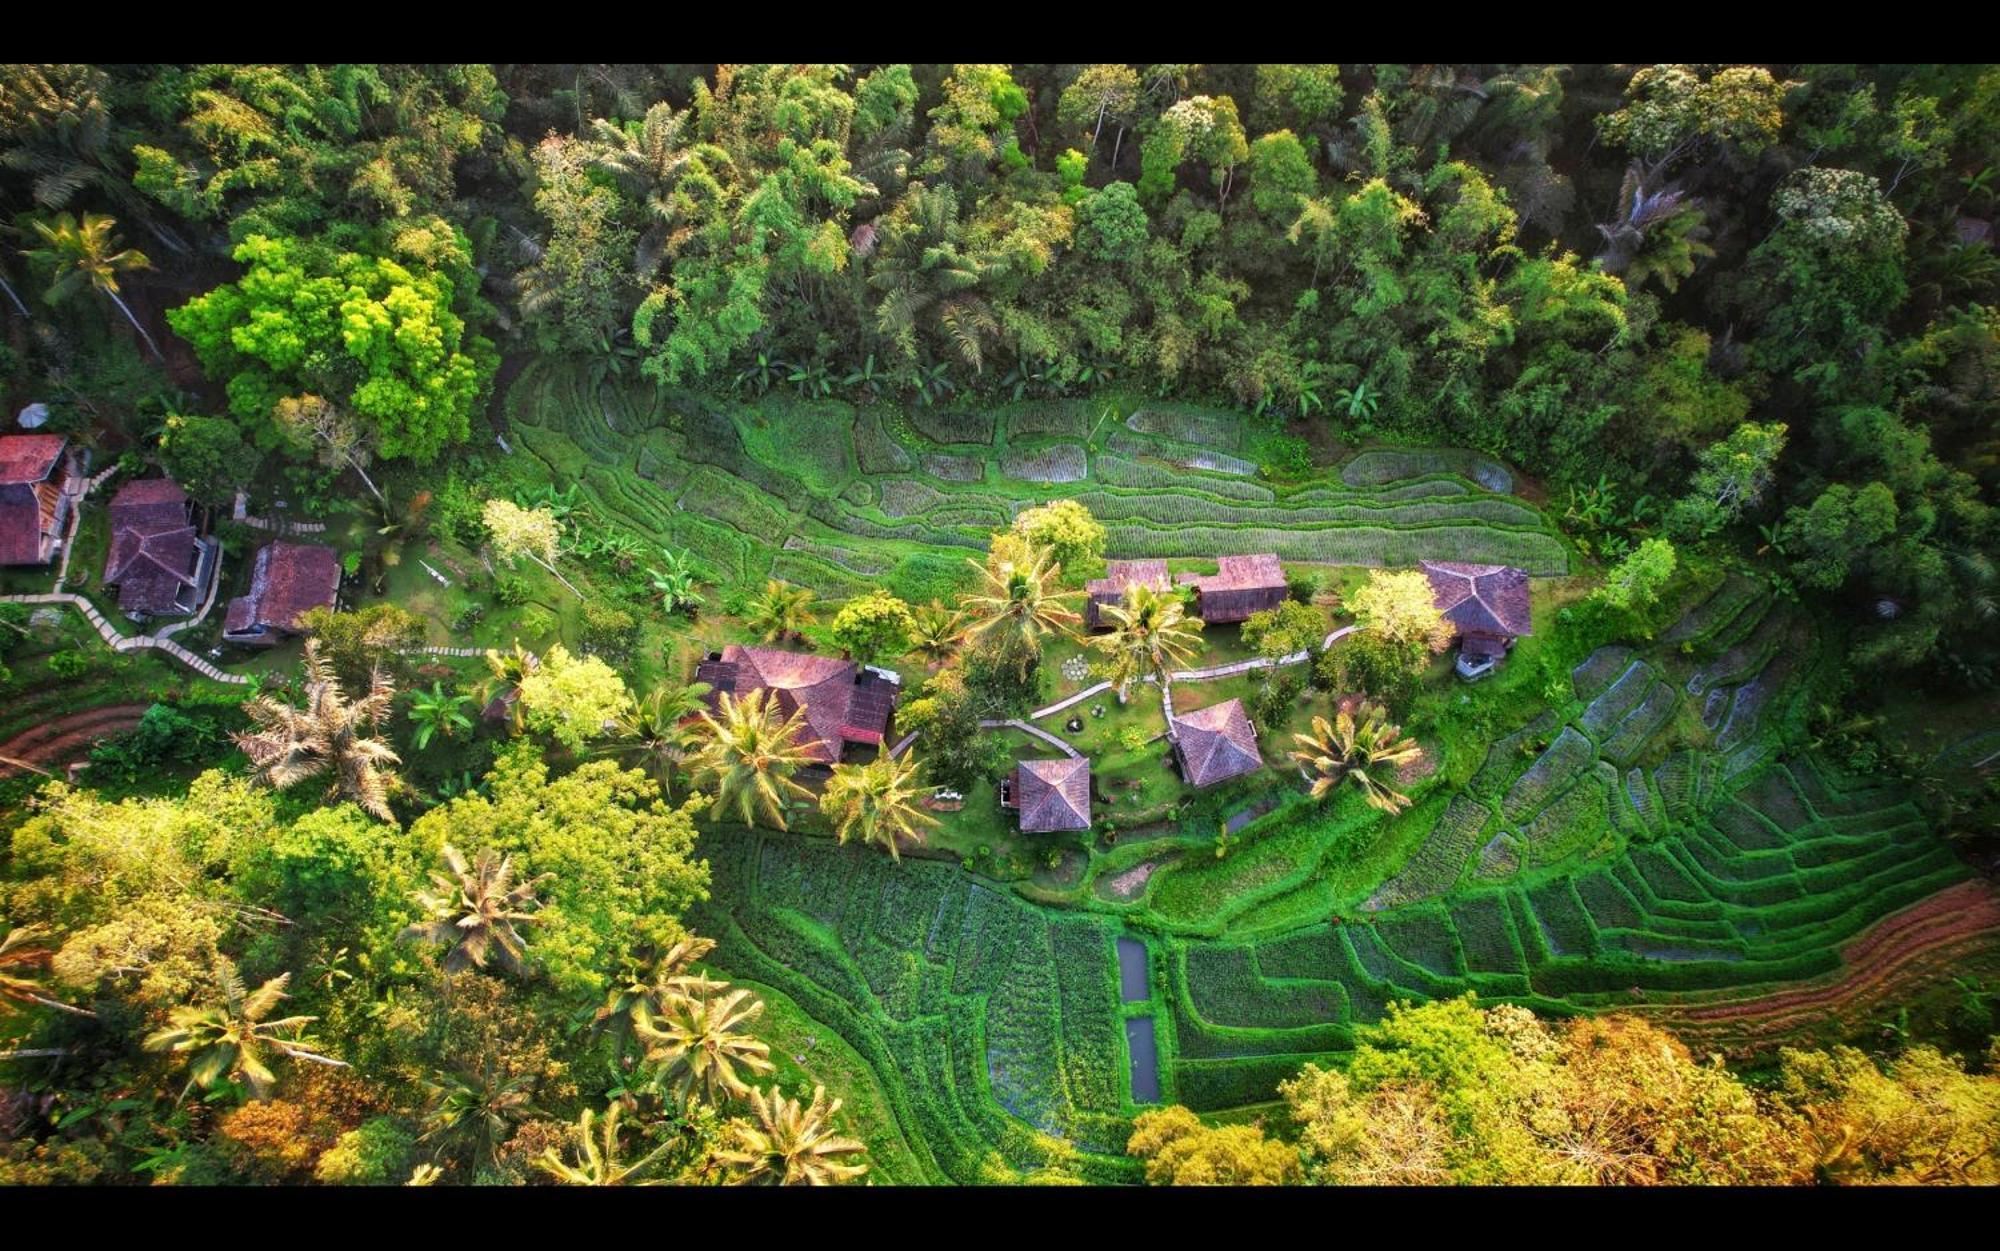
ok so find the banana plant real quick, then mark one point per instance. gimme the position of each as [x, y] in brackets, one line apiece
[872, 381]
[812, 380]
[932, 382]
[760, 376]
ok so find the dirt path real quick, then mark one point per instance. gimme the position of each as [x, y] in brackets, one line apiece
[1922, 943]
[67, 738]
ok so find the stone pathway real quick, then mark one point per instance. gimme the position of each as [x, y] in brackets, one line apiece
[443, 651]
[903, 746]
[132, 643]
[241, 513]
[1033, 731]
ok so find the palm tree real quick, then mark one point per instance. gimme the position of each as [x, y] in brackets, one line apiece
[660, 729]
[433, 712]
[646, 990]
[325, 737]
[676, 582]
[752, 752]
[697, 1043]
[1363, 751]
[597, 1159]
[470, 1117]
[474, 910]
[230, 1039]
[790, 1145]
[509, 669]
[935, 634]
[1150, 633]
[88, 254]
[782, 612]
[1017, 604]
[876, 803]
[22, 950]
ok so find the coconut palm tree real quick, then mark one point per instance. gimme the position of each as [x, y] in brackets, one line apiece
[326, 737]
[658, 731]
[597, 1158]
[231, 1039]
[87, 254]
[791, 1145]
[1017, 605]
[1366, 751]
[646, 988]
[1150, 633]
[781, 613]
[21, 951]
[696, 1041]
[934, 633]
[751, 752]
[474, 910]
[876, 802]
[433, 713]
[509, 669]
[469, 1117]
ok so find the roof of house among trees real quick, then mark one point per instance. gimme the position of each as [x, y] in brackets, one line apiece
[1481, 599]
[1216, 742]
[1240, 586]
[1119, 574]
[843, 703]
[26, 460]
[1053, 794]
[155, 557]
[290, 579]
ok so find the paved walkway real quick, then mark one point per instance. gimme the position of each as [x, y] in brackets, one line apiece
[441, 651]
[132, 643]
[1032, 731]
[241, 512]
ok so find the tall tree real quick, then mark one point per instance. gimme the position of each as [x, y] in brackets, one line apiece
[231, 1039]
[876, 803]
[1151, 634]
[750, 750]
[329, 735]
[792, 1145]
[84, 254]
[474, 909]
[1366, 751]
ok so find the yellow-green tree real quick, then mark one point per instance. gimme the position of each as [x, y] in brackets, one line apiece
[573, 698]
[877, 803]
[1180, 1151]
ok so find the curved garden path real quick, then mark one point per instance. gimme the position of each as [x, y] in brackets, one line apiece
[161, 642]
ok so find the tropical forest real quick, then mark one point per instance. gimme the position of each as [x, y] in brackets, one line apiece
[921, 625]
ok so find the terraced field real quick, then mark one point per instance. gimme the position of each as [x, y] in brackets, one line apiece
[836, 500]
[1651, 844]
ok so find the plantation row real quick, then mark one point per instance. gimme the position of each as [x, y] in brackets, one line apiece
[865, 493]
[987, 1019]
[1765, 889]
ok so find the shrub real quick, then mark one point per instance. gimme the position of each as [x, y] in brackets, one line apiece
[376, 1154]
[1284, 457]
[607, 626]
[69, 664]
[512, 589]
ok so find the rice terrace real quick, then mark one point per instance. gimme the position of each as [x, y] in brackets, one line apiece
[979, 625]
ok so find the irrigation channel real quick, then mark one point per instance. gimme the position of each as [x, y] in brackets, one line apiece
[1139, 1040]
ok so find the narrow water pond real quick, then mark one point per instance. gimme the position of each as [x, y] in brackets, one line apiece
[1145, 1059]
[1132, 970]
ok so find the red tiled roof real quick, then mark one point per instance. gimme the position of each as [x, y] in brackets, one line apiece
[1216, 742]
[1053, 794]
[841, 704]
[290, 579]
[1481, 599]
[20, 528]
[154, 556]
[26, 459]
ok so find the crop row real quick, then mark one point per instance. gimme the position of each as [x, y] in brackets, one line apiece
[1177, 508]
[1536, 552]
[1187, 424]
[1055, 462]
[1374, 468]
[1113, 469]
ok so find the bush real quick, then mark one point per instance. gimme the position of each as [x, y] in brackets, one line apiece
[607, 626]
[512, 589]
[376, 1154]
[164, 736]
[1370, 664]
[69, 664]
[1284, 457]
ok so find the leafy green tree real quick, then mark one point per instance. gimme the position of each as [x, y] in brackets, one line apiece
[375, 1153]
[1097, 95]
[360, 641]
[579, 292]
[1281, 177]
[207, 456]
[957, 752]
[1400, 607]
[530, 533]
[378, 339]
[573, 698]
[873, 627]
[1180, 1151]
[1829, 274]
[1111, 224]
[1673, 113]
[1069, 533]
[617, 864]
[1636, 581]
[1731, 476]
[659, 730]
